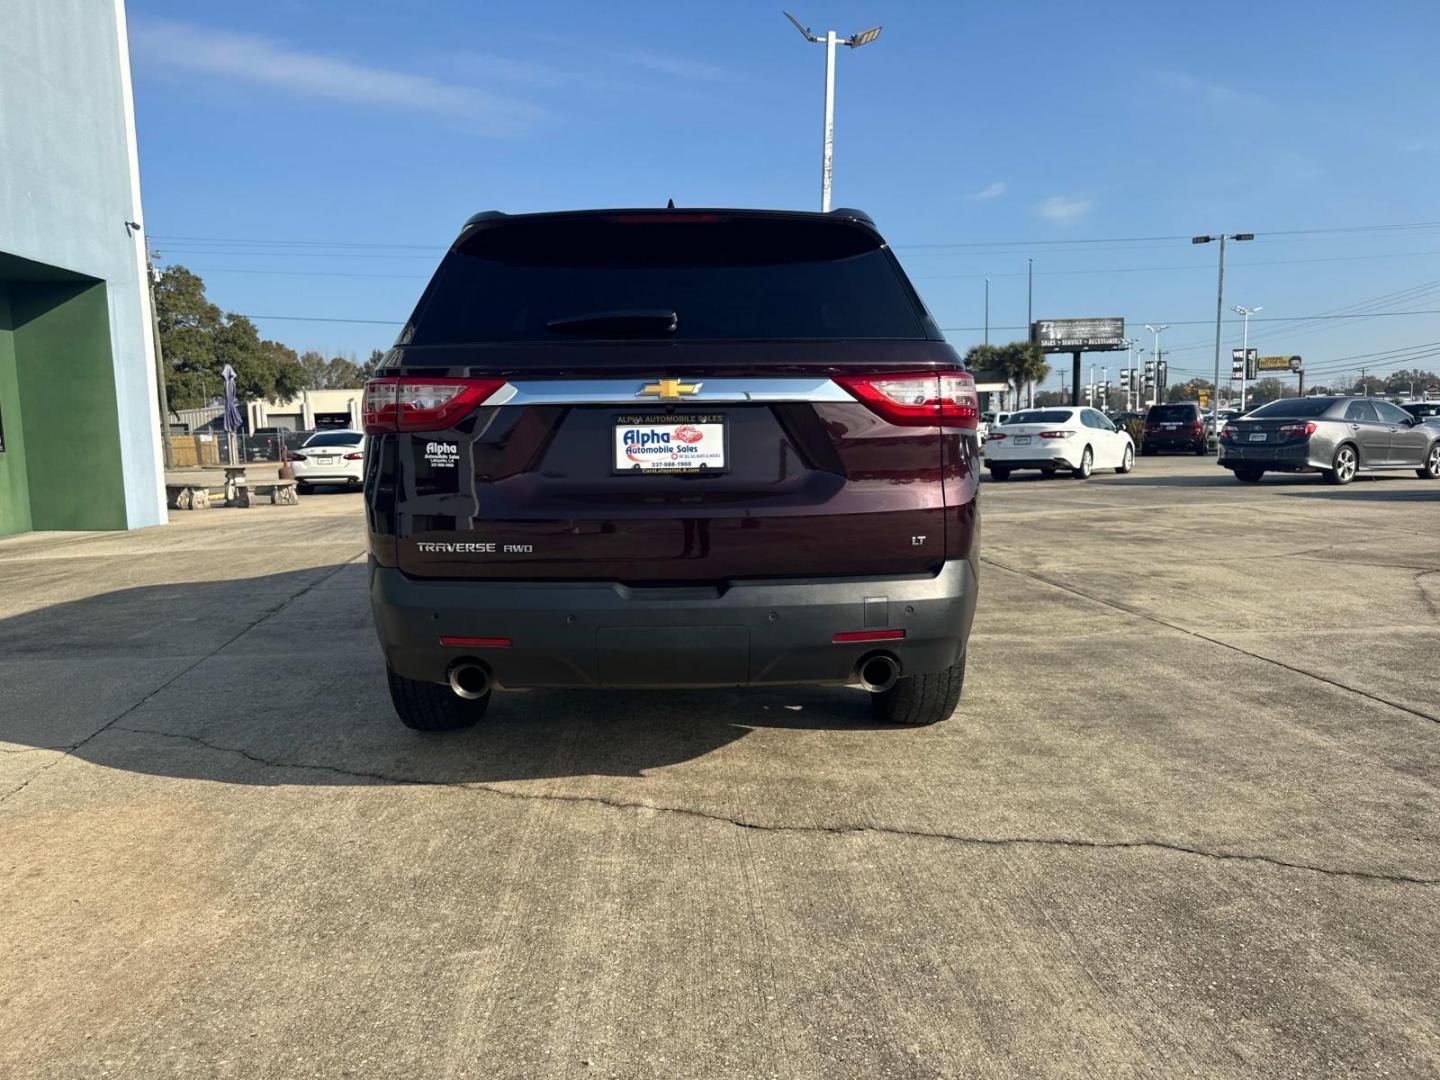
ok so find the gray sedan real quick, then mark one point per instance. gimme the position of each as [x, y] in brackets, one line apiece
[1334, 436]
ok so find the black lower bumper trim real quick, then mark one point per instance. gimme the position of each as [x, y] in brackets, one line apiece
[744, 633]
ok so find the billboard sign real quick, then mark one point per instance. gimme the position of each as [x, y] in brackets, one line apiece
[1279, 363]
[1242, 363]
[1078, 335]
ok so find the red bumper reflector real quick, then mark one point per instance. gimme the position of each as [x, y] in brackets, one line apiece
[867, 635]
[477, 642]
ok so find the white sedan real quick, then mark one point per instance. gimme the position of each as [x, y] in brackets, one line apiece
[329, 457]
[1077, 440]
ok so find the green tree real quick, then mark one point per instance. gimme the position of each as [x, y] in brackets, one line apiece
[982, 358]
[198, 340]
[336, 373]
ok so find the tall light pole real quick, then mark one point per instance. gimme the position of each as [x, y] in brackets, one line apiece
[1219, 311]
[830, 40]
[987, 311]
[1159, 395]
[1245, 313]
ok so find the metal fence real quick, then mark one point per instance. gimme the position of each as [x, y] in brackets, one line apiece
[217, 449]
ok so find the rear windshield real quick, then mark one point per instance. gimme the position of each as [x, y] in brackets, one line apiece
[1282, 407]
[335, 438]
[728, 278]
[1039, 416]
[1171, 413]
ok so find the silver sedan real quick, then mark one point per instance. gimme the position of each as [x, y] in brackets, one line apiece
[1334, 436]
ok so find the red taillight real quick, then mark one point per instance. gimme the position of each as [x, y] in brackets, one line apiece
[921, 398]
[1229, 431]
[294, 456]
[354, 457]
[1056, 434]
[1297, 431]
[416, 404]
[867, 635]
[1195, 425]
[996, 436]
[477, 642]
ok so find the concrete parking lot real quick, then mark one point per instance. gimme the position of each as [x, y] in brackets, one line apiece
[1185, 823]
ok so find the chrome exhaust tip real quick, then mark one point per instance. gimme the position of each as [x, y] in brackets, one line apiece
[469, 680]
[878, 672]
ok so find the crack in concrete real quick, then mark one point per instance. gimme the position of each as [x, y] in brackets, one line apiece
[759, 826]
[268, 614]
[1212, 640]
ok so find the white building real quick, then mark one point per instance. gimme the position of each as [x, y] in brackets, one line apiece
[312, 410]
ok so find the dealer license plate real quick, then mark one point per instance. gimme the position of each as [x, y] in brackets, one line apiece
[1258, 436]
[669, 443]
[1022, 440]
[324, 461]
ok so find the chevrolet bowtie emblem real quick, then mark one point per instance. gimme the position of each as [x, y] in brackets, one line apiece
[669, 389]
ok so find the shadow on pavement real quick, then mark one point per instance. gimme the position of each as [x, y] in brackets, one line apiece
[224, 680]
[1355, 493]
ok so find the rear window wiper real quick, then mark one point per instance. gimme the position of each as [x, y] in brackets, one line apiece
[648, 322]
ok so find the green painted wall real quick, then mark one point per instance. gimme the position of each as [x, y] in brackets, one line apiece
[14, 485]
[66, 377]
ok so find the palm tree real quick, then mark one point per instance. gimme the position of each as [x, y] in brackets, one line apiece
[1024, 365]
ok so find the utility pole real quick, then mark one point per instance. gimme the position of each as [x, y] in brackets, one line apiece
[1219, 311]
[987, 311]
[830, 40]
[1156, 330]
[1029, 295]
[152, 276]
[1245, 312]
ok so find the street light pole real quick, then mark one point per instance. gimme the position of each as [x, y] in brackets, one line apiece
[1245, 313]
[1219, 311]
[1159, 396]
[830, 40]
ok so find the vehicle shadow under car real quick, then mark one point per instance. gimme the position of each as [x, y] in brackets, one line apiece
[278, 680]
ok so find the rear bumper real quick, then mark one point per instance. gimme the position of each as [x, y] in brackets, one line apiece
[744, 633]
[1282, 458]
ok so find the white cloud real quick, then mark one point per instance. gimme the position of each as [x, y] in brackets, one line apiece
[989, 191]
[681, 67]
[259, 60]
[1063, 208]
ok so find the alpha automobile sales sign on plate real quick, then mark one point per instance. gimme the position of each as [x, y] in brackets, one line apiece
[669, 443]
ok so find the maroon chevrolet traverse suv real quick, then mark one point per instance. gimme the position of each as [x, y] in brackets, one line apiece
[673, 448]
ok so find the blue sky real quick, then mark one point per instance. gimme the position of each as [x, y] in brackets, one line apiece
[314, 158]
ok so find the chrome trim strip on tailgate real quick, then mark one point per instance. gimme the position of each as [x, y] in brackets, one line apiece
[627, 391]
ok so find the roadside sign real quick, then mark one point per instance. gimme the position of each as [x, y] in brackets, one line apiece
[1242, 363]
[1279, 363]
[1125, 378]
[1078, 335]
[1204, 398]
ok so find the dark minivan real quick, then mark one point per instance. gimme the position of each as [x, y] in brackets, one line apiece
[1178, 426]
[671, 449]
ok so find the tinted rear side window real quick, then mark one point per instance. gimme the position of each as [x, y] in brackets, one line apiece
[1171, 413]
[1286, 407]
[727, 278]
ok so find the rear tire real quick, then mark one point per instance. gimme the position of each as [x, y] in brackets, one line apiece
[1431, 469]
[999, 472]
[1343, 465]
[1249, 475]
[424, 706]
[1128, 461]
[1203, 448]
[1086, 466]
[920, 700]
